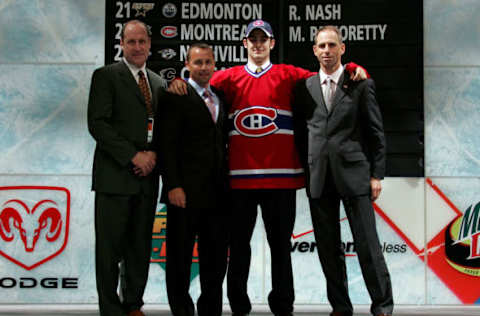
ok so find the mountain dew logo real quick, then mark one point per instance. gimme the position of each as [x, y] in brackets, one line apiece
[159, 244]
[462, 242]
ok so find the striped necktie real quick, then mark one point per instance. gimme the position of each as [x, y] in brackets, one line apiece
[142, 83]
[207, 97]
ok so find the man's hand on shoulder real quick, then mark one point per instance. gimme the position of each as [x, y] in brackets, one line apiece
[177, 197]
[357, 72]
[178, 87]
[144, 162]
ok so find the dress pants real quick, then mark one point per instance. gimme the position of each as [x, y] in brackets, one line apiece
[123, 233]
[325, 213]
[183, 226]
[278, 213]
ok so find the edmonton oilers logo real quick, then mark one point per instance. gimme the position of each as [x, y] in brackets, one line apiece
[169, 10]
[256, 121]
[462, 242]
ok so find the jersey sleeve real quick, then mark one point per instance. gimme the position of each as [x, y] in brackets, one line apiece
[351, 67]
[220, 79]
[300, 73]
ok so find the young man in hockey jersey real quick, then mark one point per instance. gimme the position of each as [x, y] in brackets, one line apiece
[264, 167]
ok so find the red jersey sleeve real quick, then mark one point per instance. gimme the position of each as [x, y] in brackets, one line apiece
[351, 67]
[220, 79]
[299, 73]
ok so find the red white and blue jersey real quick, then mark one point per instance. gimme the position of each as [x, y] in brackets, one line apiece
[262, 153]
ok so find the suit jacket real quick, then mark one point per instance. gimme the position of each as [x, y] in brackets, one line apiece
[349, 139]
[117, 120]
[193, 149]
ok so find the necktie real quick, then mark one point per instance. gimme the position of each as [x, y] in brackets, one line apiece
[329, 92]
[258, 70]
[142, 83]
[207, 97]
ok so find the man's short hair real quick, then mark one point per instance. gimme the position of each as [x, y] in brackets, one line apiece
[329, 28]
[201, 46]
[147, 28]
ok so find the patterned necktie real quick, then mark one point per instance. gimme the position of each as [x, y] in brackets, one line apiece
[329, 93]
[207, 97]
[258, 70]
[142, 83]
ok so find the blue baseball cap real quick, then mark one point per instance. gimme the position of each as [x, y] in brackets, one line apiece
[259, 24]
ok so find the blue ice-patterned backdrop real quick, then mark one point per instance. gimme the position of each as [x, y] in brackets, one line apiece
[48, 51]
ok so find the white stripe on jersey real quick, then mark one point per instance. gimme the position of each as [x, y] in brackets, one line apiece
[280, 131]
[281, 112]
[265, 171]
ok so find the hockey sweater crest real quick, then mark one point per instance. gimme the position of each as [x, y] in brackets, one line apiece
[262, 153]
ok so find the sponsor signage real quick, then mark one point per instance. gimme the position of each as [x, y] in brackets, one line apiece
[159, 244]
[34, 224]
[453, 253]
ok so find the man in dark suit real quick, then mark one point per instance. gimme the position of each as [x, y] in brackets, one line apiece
[193, 144]
[339, 134]
[121, 107]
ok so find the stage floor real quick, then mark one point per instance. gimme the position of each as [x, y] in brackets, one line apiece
[164, 313]
[158, 310]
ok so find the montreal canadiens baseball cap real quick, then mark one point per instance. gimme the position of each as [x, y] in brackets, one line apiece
[259, 24]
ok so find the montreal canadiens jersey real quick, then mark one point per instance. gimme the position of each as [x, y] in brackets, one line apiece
[262, 153]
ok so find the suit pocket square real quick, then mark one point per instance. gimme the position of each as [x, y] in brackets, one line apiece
[354, 156]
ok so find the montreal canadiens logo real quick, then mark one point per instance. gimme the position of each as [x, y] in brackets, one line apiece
[258, 23]
[256, 121]
[169, 31]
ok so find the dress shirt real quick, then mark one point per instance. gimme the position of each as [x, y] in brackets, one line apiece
[134, 70]
[334, 76]
[253, 68]
[200, 90]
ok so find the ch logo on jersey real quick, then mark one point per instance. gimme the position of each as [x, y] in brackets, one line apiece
[256, 121]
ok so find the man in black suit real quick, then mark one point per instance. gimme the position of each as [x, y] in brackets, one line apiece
[340, 138]
[121, 107]
[193, 144]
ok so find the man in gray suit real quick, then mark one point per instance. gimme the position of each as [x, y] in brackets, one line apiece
[121, 110]
[340, 138]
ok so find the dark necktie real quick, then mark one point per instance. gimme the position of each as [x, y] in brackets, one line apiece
[329, 93]
[142, 83]
[210, 104]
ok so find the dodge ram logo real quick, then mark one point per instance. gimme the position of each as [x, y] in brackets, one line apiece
[34, 222]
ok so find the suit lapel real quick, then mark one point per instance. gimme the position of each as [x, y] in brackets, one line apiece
[220, 106]
[130, 82]
[199, 102]
[154, 86]
[339, 92]
[314, 87]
